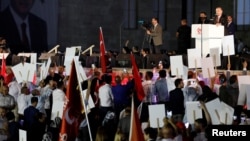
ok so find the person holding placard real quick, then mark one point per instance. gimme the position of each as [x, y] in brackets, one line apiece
[223, 92]
[150, 134]
[23, 101]
[233, 90]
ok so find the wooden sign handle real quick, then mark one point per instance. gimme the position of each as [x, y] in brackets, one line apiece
[194, 115]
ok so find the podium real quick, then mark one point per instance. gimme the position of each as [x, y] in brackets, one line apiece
[207, 36]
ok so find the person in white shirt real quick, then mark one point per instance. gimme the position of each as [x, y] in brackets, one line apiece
[148, 87]
[106, 96]
[58, 94]
[6, 100]
[23, 101]
[14, 89]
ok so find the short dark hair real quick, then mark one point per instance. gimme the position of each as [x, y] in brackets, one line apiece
[156, 19]
[151, 132]
[203, 12]
[162, 73]
[135, 48]
[233, 79]
[108, 79]
[146, 50]
[222, 78]
[202, 122]
[149, 74]
[177, 82]
[10, 116]
[118, 79]
[60, 84]
[34, 99]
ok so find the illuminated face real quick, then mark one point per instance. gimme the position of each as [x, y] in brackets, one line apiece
[229, 18]
[22, 7]
[218, 11]
[5, 90]
[2, 112]
[154, 21]
[202, 15]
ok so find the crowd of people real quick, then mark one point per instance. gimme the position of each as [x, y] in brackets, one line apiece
[28, 106]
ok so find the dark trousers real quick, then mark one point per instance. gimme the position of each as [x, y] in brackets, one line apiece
[155, 49]
[104, 111]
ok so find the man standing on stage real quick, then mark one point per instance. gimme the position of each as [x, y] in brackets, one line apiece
[183, 35]
[220, 18]
[156, 36]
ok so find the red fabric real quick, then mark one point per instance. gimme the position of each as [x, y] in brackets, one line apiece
[135, 129]
[34, 79]
[102, 52]
[9, 78]
[72, 114]
[137, 79]
[3, 68]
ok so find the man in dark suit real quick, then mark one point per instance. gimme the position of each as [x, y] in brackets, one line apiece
[231, 27]
[156, 36]
[183, 35]
[203, 18]
[220, 18]
[24, 31]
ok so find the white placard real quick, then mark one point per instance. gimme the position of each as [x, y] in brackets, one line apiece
[57, 109]
[33, 58]
[207, 66]
[226, 114]
[176, 65]
[194, 57]
[22, 135]
[90, 103]
[193, 111]
[3, 55]
[228, 45]
[42, 71]
[217, 88]
[214, 107]
[24, 54]
[215, 54]
[156, 115]
[24, 72]
[47, 67]
[248, 96]
[80, 70]
[243, 82]
[185, 73]
[69, 56]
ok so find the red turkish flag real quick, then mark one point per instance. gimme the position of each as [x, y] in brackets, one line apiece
[135, 125]
[102, 52]
[72, 114]
[3, 69]
[137, 79]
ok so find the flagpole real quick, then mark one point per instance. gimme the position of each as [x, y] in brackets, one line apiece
[84, 104]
